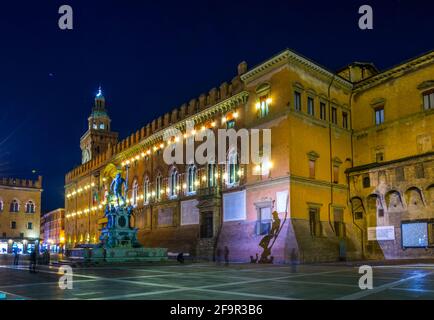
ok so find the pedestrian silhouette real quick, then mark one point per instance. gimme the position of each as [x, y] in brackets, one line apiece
[33, 261]
[16, 256]
[180, 257]
[226, 255]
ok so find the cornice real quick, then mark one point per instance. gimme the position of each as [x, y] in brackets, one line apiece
[288, 57]
[395, 72]
[199, 117]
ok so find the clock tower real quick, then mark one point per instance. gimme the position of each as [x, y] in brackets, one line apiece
[98, 135]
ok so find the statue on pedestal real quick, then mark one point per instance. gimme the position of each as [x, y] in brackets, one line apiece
[116, 188]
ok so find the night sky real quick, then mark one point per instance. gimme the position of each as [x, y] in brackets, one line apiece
[151, 57]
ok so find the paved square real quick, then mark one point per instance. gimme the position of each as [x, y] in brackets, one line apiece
[210, 281]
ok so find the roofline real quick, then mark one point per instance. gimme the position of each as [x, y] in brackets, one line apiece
[288, 55]
[386, 73]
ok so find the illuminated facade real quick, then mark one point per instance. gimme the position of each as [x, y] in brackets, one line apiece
[20, 211]
[53, 230]
[351, 151]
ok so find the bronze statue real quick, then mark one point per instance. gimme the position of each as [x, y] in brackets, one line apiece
[116, 188]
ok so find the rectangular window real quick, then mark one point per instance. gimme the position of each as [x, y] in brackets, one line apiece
[322, 111]
[335, 174]
[312, 169]
[29, 226]
[297, 101]
[234, 206]
[345, 120]
[339, 224]
[379, 115]
[419, 171]
[379, 157]
[334, 115]
[366, 181]
[230, 124]
[428, 100]
[262, 106]
[358, 215]
[314, 222]
[13, 225]
[263, 224]
[399, 172]
[310, 106]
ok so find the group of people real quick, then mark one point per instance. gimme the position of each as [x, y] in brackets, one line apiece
[33, 258]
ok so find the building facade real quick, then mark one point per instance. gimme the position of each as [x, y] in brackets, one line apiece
[350, 175]
[53, 230]
[20, 211]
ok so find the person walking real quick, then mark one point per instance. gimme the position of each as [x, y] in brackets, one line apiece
[33, 261]
[16, 256]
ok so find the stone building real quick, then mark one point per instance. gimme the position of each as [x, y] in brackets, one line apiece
[350, 175]
[53, 230]
[20, 211]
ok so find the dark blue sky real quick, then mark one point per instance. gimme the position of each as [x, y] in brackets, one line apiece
[152, 56]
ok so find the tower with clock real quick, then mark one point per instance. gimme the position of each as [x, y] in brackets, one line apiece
[98, 135]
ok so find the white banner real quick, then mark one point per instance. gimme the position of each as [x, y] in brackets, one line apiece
[381, 233]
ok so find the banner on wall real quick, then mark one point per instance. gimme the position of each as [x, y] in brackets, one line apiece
[381, 233]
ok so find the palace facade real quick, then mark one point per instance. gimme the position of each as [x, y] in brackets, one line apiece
[351, 174]
[53, 230]
[20, 211]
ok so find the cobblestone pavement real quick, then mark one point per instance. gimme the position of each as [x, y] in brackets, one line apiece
[210, 281]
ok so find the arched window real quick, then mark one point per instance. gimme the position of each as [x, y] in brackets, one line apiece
[14, 206]
[232, 169]
[173, 183]
[30, 207]
[146, 193]
[158, 185]
[135, 193]
[191, 179]
[1, 205]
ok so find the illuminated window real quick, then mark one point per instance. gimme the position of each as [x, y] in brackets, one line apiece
[30, 207]
[1, 206]
[135, 193]
[173, 183]
[379, 115]
[297, 101]
[191, 179]
[263, 106]
[14, 207]
[230, 124]
[310, 106]
[428, 100]
[158, 186]
[146, 190]
[101, 126]
[211, 175]
[233, 168]
[264, 100]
